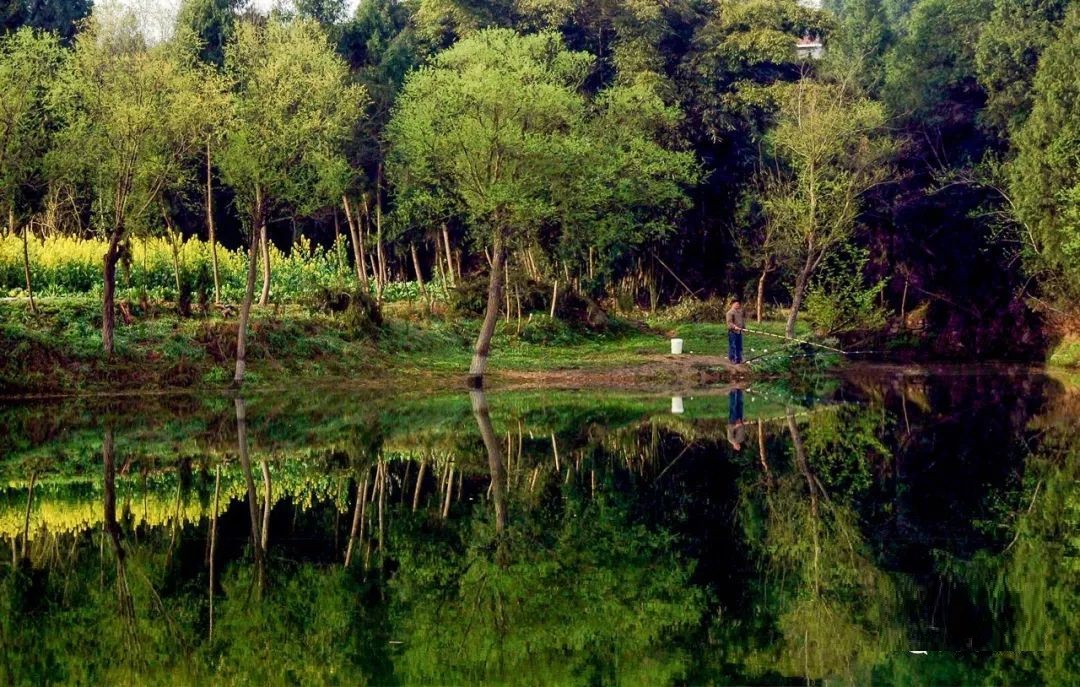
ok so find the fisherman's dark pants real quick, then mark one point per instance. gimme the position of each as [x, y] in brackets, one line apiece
[734, 347]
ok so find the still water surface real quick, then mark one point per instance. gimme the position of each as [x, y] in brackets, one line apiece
[760, 536]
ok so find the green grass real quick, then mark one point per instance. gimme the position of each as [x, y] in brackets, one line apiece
[1066, 354]
[59, 349]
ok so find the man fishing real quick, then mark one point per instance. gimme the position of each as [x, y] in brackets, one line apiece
[736, 324]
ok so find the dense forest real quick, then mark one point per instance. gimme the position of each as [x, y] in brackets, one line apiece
[869, 165]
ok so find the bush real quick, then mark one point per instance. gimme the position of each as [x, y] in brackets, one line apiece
[357, 308]
[839, 301]
[697, 311]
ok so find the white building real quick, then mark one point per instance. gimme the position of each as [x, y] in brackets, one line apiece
[810, 47]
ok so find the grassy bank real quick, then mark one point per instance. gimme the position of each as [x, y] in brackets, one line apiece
[1066, 354]
[58, 350]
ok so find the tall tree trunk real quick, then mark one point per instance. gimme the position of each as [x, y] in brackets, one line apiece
[419, 272]
[380, 251]
[264, 243]
[267, 505]
[213, 545]
[361, 494]
[249, 482]
[419, 485]
[361, 223]
[491, 316]
[449, 255]
[249, 293]
[26, 257]
[495, 459]
[801, 282]
[108, 300]
[210, 227]
[112, 527]
[765, 269]
[26, 517]
[356, 238]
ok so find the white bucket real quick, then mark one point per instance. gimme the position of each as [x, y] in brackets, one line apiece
[677, 405]
[676, 346]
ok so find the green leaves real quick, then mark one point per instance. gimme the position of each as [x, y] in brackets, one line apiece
[499, 127]
[131, 117]
[1044, 179]
[29, 61]
[294, 109]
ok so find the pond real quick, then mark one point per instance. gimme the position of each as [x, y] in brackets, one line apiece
[892, 527]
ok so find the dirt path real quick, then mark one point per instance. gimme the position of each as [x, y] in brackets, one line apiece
[684, 371]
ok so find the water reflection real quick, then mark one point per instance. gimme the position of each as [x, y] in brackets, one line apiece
[548, 538]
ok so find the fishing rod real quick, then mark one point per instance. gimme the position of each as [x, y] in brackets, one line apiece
[768, 353]
[793, 340]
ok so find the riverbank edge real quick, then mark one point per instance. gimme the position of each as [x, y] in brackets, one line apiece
[56, 353]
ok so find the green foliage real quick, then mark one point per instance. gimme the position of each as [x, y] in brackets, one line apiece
[1007, 57]
[131, 117]
[59, 17]
[294, 109]
[1044, 179]
[212, 22]
[742, 46]
[29, 62]
[830, 147]
[934, 62]
[498, 129]
[838, 302]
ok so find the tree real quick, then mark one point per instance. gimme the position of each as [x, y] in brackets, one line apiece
[1044, 179]
[60, 17]
[829, 147]
[1007, 56]
[864, 37]
[294, 108]
[131, 119]
[498, 127]
[212, 21]
[933, 66]
[29, 61]
[326, 12]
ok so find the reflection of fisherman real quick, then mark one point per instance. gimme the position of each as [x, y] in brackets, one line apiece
[736, 429]
[736, 325]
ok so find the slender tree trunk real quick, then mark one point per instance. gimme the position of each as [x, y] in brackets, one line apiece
[356, 236]
[496, 467]
[419, 272]
[491, 316]
[449, 255]
[419, 485]
[26, 256]
[127, 604]
[108, 300]
[264, 243]
[766, 268]
[801, 282]
[249, 294]
[249, 481]
[26, 517]
[380, 250]
[361, 493]
[267, 505]
[213, 546]
[361, 223]
[210, 226]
